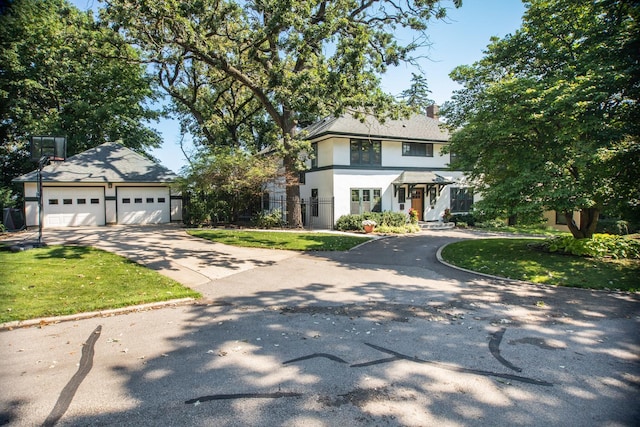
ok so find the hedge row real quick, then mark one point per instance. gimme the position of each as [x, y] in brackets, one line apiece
[387, 219]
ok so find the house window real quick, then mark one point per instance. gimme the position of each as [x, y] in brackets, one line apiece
[67, 201]
[81, 201]
[365, 152]
[137, 200]
[126, 200]
[417, 149]
[402, 195]
[314, 159]
[561, 219]
[95, 201]
[53, 201]
[160, 199]
[461, 200]
[149, 199]
[266, 201]
[366, 200]
[302, 176]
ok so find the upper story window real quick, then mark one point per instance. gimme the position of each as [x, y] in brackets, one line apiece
[365, 152]
[417, 149]
[314, 159]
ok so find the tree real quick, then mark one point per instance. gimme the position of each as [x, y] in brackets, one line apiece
[549, 117]
[300, 59]
[225, 181]
[63, 74]
[418, 94]
[215, 109]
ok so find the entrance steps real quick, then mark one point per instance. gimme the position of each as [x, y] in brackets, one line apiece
[436, 225]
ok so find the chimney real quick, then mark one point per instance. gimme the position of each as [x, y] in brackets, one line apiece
[433, 111]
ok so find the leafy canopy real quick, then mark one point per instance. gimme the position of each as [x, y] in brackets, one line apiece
[549, 117]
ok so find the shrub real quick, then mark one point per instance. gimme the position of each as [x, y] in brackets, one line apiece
[268, 219]
[600, 246]
[349, 223]
[461, 224]
[612, 226]
[494, 223]
[413, 216]
[384, 220]
[468, 218]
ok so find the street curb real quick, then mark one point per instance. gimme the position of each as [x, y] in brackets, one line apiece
[104, 313]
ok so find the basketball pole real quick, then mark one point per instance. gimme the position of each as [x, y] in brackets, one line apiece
[41, 164]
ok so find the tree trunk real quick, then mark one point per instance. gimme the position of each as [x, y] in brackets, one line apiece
[588, 221]
[294, 211]
[292, 177]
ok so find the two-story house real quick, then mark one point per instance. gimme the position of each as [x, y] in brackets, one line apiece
[366, 165]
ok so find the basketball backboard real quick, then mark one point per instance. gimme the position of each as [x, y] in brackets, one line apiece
[52, 147]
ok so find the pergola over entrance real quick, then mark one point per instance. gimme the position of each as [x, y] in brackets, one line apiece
[411, 179]
[415, 182]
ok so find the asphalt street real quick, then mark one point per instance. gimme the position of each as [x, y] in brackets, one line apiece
[381, 335]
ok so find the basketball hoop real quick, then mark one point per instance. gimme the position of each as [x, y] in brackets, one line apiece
[43, 150]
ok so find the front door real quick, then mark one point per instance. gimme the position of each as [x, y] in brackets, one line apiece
[417, 201]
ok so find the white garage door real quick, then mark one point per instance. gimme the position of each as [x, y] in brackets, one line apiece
[67, 207]
[143, 205]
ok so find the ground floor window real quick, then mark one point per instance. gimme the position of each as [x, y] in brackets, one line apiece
[561, 219]
[366, 200]
[461, 200]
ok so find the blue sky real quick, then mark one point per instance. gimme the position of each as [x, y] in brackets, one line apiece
[460, 39]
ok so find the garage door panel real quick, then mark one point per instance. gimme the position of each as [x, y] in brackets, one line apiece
[143, 205]
[70, 206]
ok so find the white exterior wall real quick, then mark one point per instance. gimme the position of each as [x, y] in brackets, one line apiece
[345, 180]
[111, 214]
[176, 207]
[322, 180]
[30, 207]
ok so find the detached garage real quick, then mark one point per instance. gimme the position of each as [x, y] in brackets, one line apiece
[108, 184]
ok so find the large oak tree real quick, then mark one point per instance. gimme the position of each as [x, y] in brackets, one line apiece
[549, 117]
[298, 59]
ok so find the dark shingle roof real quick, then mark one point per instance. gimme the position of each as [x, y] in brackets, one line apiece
[418, 127]
[109, 162]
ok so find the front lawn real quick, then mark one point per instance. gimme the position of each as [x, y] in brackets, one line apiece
[293, 240]
[60, 280]
[517, 259]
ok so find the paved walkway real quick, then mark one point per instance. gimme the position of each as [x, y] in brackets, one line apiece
[380, 335]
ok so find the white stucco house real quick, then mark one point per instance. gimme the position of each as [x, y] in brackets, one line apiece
[392, 166]
[108, 184]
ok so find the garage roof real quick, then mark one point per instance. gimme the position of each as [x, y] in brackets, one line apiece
[109, 162]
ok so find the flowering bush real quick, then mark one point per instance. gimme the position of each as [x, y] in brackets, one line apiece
[447, 215]
[413, 216]
[368, 222]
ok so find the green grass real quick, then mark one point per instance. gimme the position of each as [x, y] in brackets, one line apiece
[523, 229]
[516, 259]
[60, 280]
[295, 241]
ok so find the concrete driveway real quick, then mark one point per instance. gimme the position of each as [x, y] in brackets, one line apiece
[380, 335]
